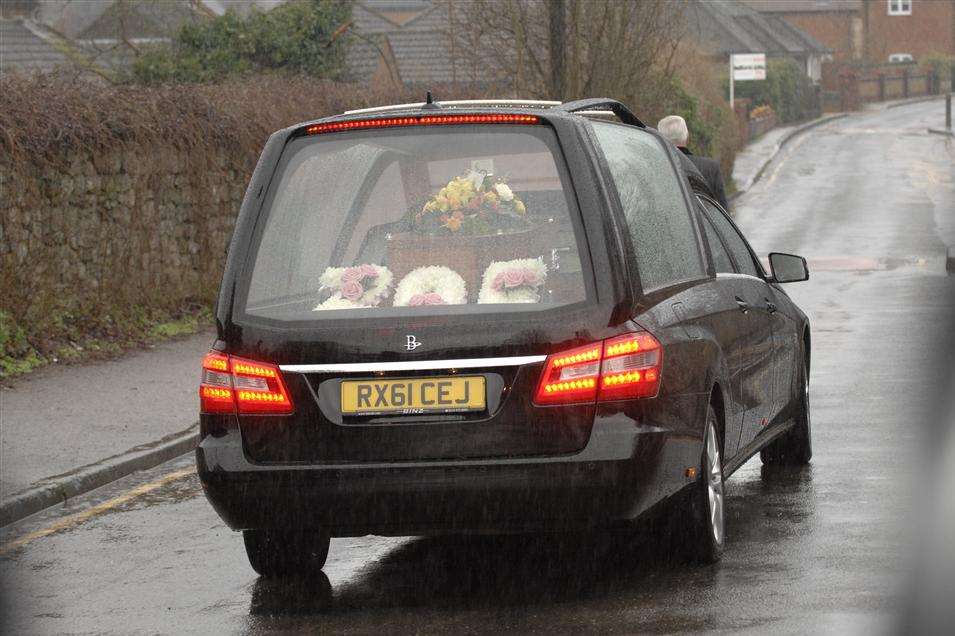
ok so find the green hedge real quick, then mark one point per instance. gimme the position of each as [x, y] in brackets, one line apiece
[940, 63]
[300, 37]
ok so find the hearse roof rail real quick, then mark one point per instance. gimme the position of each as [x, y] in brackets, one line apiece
[461, 103]
[581, 106]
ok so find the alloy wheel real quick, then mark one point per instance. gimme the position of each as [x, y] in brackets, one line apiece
[714, 484]
[805, 395]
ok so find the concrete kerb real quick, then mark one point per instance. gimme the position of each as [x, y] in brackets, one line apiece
[59, 488]
[779, 146]
[914, 100]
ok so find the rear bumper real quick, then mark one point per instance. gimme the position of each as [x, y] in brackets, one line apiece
[624, 469]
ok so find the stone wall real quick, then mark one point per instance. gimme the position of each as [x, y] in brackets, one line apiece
[105, 232]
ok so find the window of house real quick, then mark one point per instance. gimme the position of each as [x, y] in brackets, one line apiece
[900, 7]
[900, 58]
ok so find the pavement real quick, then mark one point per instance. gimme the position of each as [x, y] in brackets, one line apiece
[63, 419]
[750, 162]
[829, 548]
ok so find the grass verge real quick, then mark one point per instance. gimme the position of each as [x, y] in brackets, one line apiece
[22, 352]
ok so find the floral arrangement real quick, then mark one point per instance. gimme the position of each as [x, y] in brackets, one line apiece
[762, 112]
[516, 281]
[353, 287]
[474, 203]
[431, 285]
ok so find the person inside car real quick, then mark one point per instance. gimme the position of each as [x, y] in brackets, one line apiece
[674, 128]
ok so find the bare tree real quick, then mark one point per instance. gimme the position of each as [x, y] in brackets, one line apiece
[562, 49]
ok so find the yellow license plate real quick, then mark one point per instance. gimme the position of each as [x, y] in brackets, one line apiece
[413, 395]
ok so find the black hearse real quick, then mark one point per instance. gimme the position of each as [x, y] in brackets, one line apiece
[489, 316]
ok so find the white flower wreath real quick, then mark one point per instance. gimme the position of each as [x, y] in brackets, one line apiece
[360, 286]
[516, 281]
[337, 302]
[431, 285]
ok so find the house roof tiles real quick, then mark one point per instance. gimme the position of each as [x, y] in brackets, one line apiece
[415, 32]
[22, 50]
[727, 26]
[803, 6]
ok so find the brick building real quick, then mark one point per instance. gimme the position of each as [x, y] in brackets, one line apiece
[872, 31]
[899, 30]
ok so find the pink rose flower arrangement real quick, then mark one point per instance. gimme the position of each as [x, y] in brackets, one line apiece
[352, 275]
[352, 287]
[352, 290]
[431, 285]
[431, 298]
[515, 277]
[516, 281]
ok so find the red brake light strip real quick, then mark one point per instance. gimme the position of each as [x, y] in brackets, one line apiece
[421, 120]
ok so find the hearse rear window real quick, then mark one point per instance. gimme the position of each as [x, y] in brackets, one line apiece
[455, 219]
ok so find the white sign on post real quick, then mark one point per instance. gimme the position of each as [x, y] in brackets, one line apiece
[745, 67]
[749, 66]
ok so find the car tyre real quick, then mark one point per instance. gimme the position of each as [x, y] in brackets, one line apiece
[707, 510]
[276, 553]
[794, 447]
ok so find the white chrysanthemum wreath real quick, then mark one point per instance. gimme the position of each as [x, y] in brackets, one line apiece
[354, 287]
[517, 281]
[432, 285]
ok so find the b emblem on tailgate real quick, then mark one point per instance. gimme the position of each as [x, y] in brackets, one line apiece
[412, 343]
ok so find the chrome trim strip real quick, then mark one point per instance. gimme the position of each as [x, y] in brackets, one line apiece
[412, 365]
[462, 103]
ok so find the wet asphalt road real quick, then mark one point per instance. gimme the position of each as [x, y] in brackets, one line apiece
[871, 201]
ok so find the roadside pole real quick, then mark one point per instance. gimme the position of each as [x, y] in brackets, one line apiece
[732, 105]
[948, 119]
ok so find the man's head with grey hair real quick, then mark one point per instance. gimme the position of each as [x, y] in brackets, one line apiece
[674, 128]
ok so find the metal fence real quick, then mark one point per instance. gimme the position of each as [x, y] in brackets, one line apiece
[848, 86]
[883, 86]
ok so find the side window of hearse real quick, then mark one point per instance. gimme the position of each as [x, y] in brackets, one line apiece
[721, 260]
[660, 225]
[735, 243]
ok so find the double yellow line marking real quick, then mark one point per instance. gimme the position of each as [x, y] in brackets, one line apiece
[76, 519]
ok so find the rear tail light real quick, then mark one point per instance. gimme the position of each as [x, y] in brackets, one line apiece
[570, 376]
[630, 367]
[215, 388]
[619, 368]
[235, 385]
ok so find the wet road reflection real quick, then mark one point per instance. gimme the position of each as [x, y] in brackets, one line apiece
[493, 573]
